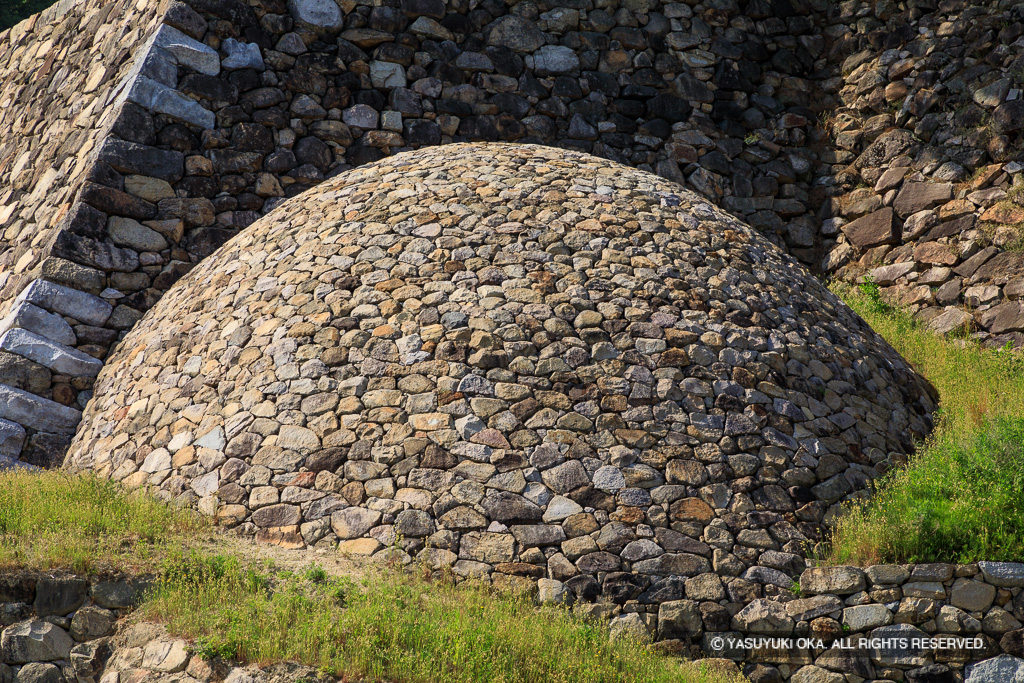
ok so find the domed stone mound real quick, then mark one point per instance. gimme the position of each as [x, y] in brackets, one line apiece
[510, 359]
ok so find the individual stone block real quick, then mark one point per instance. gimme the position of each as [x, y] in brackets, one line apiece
[57, 357]
[187, 51]
[871, 230]
[836, 580]
[131, 157]
[242, 55]
[160, 99]
[320, 15]
[81, 306]
[37, 413]
[34, 319]
[12, 438]
[34, 641]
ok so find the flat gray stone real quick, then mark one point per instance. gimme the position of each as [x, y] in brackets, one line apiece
[187, 51]
[951, 320]
[319, 14]
[62, 359]
[36, 412]
[864, 617]
[12, 438]
[242, 55]
[128, 232]
[34, 319]
[555, 59]
[887, 275]
[387, 75]
[1001, 669]
[836, 580]
[160, 99]
[81, 306]
[763, 616]
[361, 116]
[1003, 574]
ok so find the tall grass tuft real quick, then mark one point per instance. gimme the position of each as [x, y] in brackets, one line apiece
[959, 499]
[85, 523]
[396, 627]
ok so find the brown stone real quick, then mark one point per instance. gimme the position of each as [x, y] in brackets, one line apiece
[1004, 213]
[916, 197]
[934, 253]
[692, 510]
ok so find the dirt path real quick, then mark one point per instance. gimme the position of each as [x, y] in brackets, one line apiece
[251, 552]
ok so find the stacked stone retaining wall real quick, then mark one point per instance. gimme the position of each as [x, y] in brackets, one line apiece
[959, 623]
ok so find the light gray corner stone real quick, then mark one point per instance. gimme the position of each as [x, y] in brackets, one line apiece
[57, 357]
[242, 55]
[32, 318]
[187, 51]
[322, 14]
[36, 412]
[158, 98]
[12, 438]
[82, 306]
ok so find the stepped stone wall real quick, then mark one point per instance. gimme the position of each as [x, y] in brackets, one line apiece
[59, 77]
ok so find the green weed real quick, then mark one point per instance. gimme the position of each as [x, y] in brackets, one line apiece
[959, 498]
[397, 627]
[52, 519]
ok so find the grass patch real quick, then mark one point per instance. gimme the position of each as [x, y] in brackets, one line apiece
[391, 626]
[959, 498]
[53, 519]
[395, 627]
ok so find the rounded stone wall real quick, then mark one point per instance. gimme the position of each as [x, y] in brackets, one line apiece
[514, 360]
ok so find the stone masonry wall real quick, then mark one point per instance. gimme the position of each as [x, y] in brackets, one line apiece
[59, 75]
[62, 628]
[926, 175]
[229, 108]
[66, 628]
[186, 128]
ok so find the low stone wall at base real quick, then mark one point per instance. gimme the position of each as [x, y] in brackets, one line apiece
[924, 623]
[934, 623]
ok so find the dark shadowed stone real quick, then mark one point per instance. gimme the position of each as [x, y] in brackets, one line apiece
[669, 107]
[874, 229]
[131, 157]
[507, 507]
[515, 32]
[17, 587]
[38, 672]
[933, 673]
[93, 253]
[1013, 643]
[115, 202]
[1008, 117]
